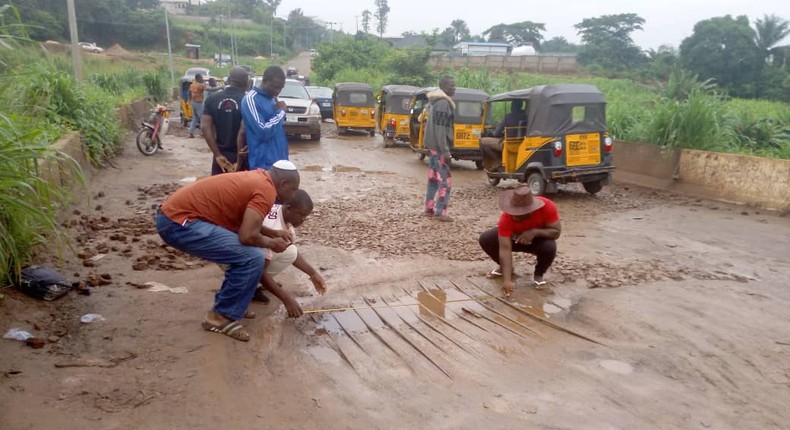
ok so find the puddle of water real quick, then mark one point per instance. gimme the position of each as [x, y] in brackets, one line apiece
[562, 302]
[435, 302]
[371, 318]
[324, 354]
[378, 172]
[551, 309]
[327, 324]
[343, 169]
[616, 366]
[351, 321]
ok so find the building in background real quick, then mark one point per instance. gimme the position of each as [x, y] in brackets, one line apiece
[481, 48]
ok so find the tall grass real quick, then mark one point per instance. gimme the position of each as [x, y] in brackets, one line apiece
[684, 112]
[28, 202]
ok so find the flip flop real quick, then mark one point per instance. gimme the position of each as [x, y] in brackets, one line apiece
[249, 314]
[494, 273]
[541, 285]
[233, 329]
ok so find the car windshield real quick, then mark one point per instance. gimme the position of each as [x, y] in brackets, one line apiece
[190, 73]
[294, 90]
[320, 92]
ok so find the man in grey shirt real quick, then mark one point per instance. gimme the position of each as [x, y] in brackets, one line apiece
[438, 139]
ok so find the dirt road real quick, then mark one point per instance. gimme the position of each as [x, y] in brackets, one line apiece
[687, 298]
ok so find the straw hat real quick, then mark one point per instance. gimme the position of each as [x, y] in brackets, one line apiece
[519, 201]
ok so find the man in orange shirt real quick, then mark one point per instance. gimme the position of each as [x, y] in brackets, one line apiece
[528, 224]
[219, 219]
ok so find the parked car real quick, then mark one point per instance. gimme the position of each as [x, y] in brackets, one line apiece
[302, 114]
[189, 75]
[91, 47]
[322, 96]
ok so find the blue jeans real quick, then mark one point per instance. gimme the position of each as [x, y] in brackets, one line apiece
[214, 243]
[197, 112]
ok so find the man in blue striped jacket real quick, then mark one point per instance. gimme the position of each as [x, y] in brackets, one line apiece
[262, 138]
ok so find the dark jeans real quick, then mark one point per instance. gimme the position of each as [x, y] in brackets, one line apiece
[214, 243]
[544, 249]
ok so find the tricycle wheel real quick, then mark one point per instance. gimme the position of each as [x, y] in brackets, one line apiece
[145, 143]
[536, 183]
[592, 187]
[493, 180]
[479, 164]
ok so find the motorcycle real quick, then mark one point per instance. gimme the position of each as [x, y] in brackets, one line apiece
[149, 138]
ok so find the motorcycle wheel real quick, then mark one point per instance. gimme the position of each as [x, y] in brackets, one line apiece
[145, 143]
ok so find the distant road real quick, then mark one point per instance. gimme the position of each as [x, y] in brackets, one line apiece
[301, 62]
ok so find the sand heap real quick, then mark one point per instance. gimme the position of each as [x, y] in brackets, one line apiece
[117, 50]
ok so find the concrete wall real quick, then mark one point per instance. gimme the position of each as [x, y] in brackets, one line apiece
[757, 181]
[524, 63]
[763, 182]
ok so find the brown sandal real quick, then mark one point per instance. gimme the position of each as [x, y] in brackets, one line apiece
[233, 329]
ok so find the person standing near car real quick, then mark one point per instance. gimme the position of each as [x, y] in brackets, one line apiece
[197, 92]
[262, 138]
[438, 140]
[222, 120]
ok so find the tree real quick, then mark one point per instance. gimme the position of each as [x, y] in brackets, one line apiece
[273, 5]
[366, 16]
[724, 49]
[381, 15]
[559, 45]
[607, 40]
[496, 33]
[517, 34]
[770, 30]
[460, 30]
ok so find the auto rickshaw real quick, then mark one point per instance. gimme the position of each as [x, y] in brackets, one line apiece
[469, 116]
[186, 106]
[392, 113]
[354, 107]
[564, 139]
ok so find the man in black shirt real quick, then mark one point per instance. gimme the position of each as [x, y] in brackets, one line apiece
[222, 120]
[514, 125]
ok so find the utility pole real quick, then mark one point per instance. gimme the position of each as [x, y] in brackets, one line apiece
[271, 37]
[169, 49]
[75, 47]
[331, 30]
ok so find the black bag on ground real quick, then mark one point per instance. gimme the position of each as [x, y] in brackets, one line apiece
[43, 282]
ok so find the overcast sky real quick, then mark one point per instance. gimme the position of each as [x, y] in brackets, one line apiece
[667, 21]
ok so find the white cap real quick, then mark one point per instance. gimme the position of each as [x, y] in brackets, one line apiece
[284, 165]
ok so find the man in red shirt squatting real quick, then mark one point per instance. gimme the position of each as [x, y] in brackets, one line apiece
[527, 224]
[219, 219]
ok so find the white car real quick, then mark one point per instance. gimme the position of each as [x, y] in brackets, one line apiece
[302, 114]
[91, 47]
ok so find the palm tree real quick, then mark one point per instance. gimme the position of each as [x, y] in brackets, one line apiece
[771, 29]
[460, 30]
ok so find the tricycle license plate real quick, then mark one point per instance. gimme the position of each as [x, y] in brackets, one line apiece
[583, 149]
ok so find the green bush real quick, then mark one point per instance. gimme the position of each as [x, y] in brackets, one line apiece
[28, 202]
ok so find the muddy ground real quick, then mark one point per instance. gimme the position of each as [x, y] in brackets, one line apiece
[687, 299]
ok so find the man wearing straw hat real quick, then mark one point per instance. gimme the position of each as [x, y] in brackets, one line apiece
[528, 224]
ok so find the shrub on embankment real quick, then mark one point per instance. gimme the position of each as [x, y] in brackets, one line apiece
[40, 101]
